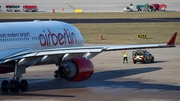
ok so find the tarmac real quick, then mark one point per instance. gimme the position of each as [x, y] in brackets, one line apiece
[104, 20]
[87, 5]
[112, 80]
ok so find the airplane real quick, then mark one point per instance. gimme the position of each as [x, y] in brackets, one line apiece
[29, 43]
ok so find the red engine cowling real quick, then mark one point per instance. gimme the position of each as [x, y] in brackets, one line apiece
[6, 69]
[78, 69]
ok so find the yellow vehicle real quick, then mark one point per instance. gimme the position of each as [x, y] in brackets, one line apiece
[142, 56]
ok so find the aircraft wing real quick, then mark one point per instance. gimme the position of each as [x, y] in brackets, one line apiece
[87, 51]
[91, 51]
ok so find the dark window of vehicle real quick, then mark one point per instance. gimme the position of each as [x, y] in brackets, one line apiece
[138, 53]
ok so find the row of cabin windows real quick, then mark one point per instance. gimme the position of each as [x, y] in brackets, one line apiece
[18, 39]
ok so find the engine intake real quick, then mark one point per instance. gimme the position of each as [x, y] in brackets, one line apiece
[77, 69]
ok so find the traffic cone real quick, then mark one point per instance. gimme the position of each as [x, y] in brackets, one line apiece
[101, 37]
[62, 9]
[53, 10]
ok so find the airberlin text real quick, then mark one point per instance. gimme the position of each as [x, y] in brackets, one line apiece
[86, 69]
[49, 38]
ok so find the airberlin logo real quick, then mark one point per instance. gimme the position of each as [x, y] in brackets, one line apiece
[49, 38]
[86, 69]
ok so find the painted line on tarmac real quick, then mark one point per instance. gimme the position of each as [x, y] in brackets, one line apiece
[70, 6]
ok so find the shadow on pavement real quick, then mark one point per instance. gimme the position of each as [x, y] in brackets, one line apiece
[99, 79]
[33, 94]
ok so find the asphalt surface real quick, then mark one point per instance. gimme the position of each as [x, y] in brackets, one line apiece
[111, 20]
[88, 5]
[112, 80]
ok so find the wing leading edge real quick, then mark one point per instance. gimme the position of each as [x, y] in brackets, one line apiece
[171, 43]
[87, 51]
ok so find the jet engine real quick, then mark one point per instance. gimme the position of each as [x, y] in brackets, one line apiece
[77, 69]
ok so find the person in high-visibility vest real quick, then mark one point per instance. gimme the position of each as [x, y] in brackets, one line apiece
[125, 55]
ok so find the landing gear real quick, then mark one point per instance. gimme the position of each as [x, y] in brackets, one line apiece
[15, 84]
[5, 86]
[23, 85]
[56, 74]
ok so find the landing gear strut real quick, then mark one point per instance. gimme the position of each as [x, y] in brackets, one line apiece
[15, 84]
[57, 73]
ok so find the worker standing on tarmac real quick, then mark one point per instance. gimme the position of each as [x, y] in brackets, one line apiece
[125, 54]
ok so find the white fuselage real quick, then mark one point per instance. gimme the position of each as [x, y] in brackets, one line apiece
[38, 35]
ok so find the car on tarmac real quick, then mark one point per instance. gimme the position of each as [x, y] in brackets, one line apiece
[142, 56]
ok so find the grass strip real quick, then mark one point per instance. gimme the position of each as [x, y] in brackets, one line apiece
[120, 33]
[37, 15]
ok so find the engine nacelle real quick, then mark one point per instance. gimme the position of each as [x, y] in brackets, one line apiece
[77, 69]
[6, 69]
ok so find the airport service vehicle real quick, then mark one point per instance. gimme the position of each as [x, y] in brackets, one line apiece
[12, 8]
[30, 8]
[24, 44]
[128, 8]
[158, 7]
[143, 7]
[142, 56]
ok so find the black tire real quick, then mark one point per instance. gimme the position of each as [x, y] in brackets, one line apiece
[145, 61]
[23, 85]
[56, 74]
[5, 86]
[11, 81]
[134, 62]
[15, 86]
[152, 60]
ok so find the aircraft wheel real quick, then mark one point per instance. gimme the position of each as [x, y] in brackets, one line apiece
[23, 85]
[56, 74]
[11, 81]
[5, 86]
[15, 86]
